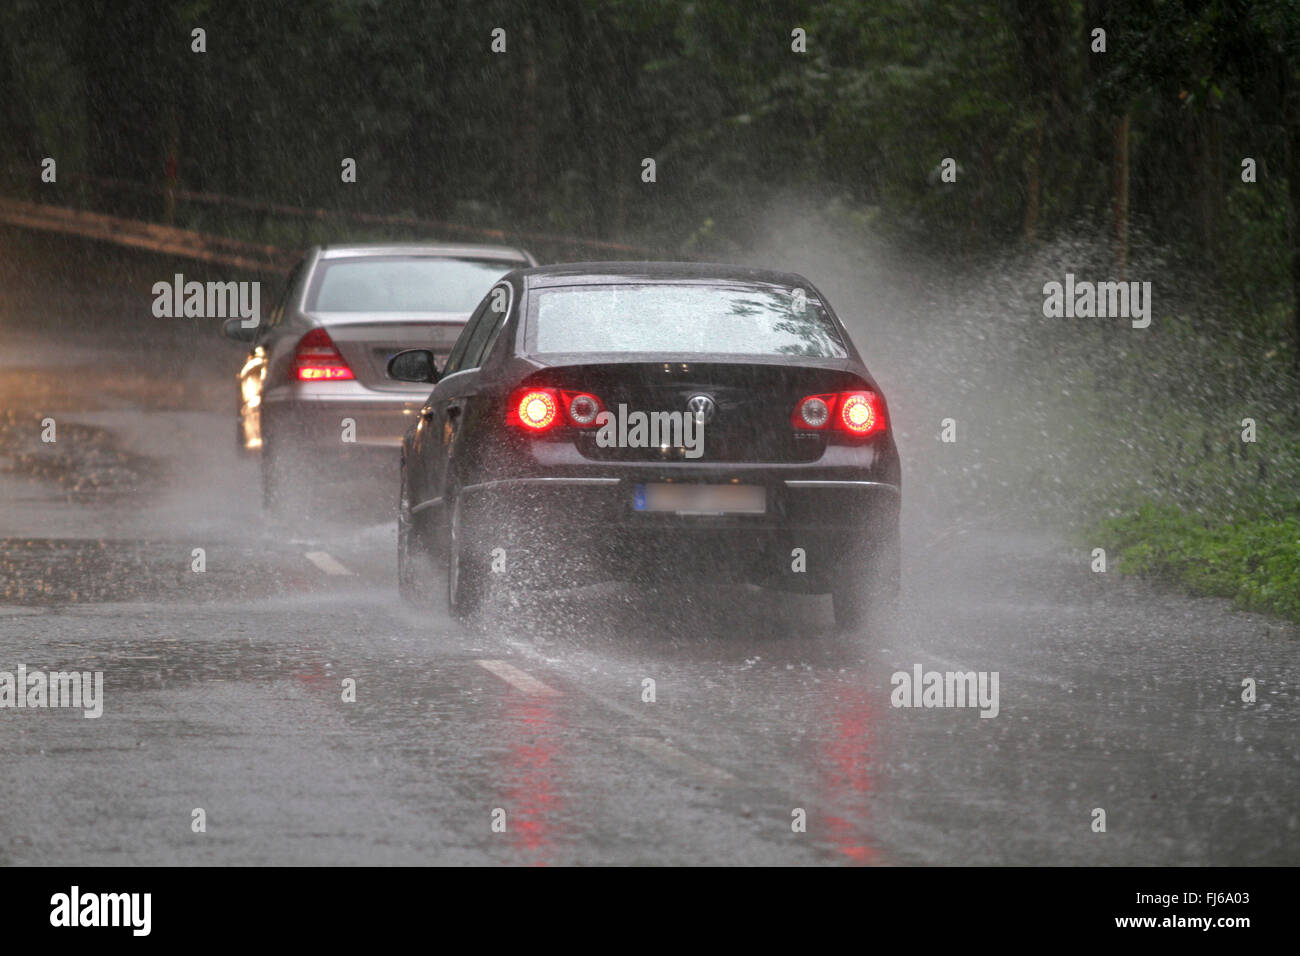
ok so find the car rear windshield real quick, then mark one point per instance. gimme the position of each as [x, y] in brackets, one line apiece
[404, 284]
[728, 320]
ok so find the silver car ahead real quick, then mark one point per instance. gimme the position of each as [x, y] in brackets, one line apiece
[315, 398]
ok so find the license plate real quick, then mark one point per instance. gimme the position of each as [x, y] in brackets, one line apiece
[701, 499]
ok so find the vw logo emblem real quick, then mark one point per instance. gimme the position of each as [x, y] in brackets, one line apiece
[702, 407]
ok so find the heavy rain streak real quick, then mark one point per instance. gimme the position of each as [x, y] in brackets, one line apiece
[629, 433]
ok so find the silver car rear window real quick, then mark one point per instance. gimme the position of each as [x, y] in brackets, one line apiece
[406, 284]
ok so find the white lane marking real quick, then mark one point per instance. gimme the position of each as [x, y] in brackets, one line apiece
[653, 747]
[670, 756]
[326, 563]
[520, 680]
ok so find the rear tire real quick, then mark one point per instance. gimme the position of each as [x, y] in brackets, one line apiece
[275, 481]
[287, 491]
[414, 563]
[466, 578]
[865, 595]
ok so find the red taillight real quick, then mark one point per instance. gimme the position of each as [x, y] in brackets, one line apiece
[851, 413]
[581, 408]
[814, 412]
[539, 409]
[318, 360]
[860, 413]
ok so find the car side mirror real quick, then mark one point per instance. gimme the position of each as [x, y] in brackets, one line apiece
[235, 329]
[413, 365]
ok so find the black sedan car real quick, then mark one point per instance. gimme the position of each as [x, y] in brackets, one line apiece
[647, 421]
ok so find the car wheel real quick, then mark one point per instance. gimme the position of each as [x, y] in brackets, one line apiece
[275, 480]
[414, 566]
[287, 491]
[465, 579]
[865, 593]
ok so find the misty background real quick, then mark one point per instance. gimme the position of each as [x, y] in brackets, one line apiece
[804, 136]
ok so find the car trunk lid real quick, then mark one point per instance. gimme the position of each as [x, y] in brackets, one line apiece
[368, 342]
[751, 406]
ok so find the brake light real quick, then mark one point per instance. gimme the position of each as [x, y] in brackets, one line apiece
[851, 413]
[536, 409]
[318, 360]
[539, 409]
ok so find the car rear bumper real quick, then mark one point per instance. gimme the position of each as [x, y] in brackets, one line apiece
[335, 415]
[813, 503]
[847, 484]
[811, 523]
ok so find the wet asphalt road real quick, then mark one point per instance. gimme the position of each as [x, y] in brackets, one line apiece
[223, 689]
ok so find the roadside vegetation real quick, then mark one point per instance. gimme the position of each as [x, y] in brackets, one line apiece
[1255, 562]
